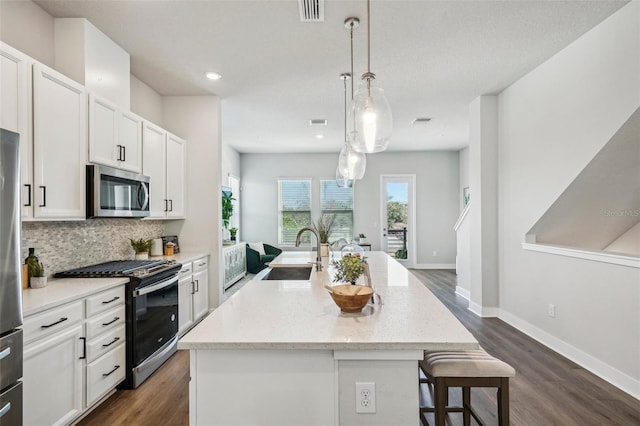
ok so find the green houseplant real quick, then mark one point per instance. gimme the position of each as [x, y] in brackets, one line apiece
[232, 233]
[36, 273]
[227, 208]
[141, 247]
[348, 268]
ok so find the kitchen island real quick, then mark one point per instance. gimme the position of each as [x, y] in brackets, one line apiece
[282, 353]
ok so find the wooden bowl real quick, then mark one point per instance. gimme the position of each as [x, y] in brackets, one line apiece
[351, 298]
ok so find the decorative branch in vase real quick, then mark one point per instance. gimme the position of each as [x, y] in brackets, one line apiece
[324, 226]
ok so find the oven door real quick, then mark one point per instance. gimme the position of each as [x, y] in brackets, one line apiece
[155, 317]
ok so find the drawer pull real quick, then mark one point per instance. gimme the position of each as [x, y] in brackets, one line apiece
[112, 300]
[202, 264]
[111, 322]
[55, 323]
[84, 348]
[5, 352]
[110, 372]
[184, 271]
[5, 409]
[111, 343]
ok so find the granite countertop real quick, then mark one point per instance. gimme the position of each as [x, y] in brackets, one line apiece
[64, 290]
[302, 315]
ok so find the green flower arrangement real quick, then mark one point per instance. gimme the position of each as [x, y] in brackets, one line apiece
[141, 245]
[349, 268]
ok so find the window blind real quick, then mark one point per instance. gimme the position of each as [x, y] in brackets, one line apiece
[339, 202]
[294, 204]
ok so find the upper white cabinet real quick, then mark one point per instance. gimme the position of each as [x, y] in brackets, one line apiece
[15, 115]
[163, 160]
[115, 136]
[59, 145]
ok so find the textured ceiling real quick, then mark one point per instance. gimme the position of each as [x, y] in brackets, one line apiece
[431, 57]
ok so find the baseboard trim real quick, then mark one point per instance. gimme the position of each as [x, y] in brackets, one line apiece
[484, 312]
[463, 292]
[434, 266]
[612, 375]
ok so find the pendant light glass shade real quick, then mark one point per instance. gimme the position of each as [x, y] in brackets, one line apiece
[342, 181]
[351, 164]
[370, 120]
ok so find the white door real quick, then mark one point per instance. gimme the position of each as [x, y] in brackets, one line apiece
[154, 166]
[15, 105]
[201, 295]
[59, 145]
[398, 217]
[176, 149]
[186, 287]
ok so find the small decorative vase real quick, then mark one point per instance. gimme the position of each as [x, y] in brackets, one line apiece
[362, 241]
[142, 256]
[324, 250]
[38, 282]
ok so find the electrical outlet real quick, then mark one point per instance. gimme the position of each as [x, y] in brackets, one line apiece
[365, 397]
[551, 310]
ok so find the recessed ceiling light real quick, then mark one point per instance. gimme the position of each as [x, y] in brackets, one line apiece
[318, 122]
[212, 75]
[421, 120]
[319, 136]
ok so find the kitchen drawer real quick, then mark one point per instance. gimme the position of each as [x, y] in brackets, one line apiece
[11, 405]
[105, 342]
[104, 322]
[105, 373]
[200, 264]
[187, 269]
[10, 358]
[51, 321]
[105, 300]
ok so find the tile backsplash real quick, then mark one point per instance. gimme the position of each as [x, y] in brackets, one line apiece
[67, 245]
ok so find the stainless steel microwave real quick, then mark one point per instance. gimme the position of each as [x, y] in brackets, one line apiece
[116, 193]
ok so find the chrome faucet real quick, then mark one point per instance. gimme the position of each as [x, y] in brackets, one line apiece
[318, 257]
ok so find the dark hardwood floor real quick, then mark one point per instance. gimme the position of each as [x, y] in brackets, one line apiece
[548, 389]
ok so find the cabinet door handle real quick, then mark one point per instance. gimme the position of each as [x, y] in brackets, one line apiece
[170, 205]
[84, 348]
[197, 286]
[166, 205]
[111, 322]
[193, 287]
[119, 153]
[44, 196]
[110, 372]
[112, 300]
[111, 342]
[124, 153]
[54, 323]
[28, 185]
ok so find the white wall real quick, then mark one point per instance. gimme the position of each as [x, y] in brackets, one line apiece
[436, 196]
[145, 101]
[196, 119]
[552, 123]
[28, 28]
[629, 242]
[230, 163]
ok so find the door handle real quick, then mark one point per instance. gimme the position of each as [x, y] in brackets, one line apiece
[28, 185]
[124, 153]
[170, 205]
[44, 196]
[119, 152]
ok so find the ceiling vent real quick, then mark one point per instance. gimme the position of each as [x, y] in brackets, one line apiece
[311, 10]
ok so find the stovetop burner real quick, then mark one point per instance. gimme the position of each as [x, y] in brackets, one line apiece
[117, 268]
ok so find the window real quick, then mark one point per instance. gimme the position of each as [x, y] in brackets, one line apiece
[294, 205]
[338, 201]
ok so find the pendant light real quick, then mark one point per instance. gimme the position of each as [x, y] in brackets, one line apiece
[351, 163]
[370, 121]
[342, 181]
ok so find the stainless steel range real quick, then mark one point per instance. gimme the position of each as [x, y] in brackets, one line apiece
[152, 311]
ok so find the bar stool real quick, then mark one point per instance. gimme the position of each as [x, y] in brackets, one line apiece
[465, 369]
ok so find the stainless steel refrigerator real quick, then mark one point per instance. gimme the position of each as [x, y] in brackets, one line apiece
[10, 282]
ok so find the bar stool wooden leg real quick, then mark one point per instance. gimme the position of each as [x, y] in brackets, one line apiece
[503, 402]
[466, 403]
[440, 391]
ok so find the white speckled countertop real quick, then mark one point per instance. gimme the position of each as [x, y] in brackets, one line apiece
[64, 290]
[183, 257]
[302, 315]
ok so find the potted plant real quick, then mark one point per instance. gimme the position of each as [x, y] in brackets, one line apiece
[324, 226]
[349, 268]
[232, 233]
[362, 239]
[141, 247]
[36, 273]
[227, 208]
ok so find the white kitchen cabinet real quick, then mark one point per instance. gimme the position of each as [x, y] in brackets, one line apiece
[164, 160]
[59, 145]
[115, 136]
[15, 115]
[186, 288]
[193, 293]
[54, 378]
[201, 291]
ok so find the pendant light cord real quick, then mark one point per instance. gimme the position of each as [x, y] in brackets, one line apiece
[351, 30]
[369, 75]
[345, 109]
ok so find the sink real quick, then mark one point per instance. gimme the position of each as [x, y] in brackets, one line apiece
[295, 273]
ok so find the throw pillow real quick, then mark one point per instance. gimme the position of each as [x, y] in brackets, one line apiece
[259, 247]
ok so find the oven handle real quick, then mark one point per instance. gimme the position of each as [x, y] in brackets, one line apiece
[152, 288]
